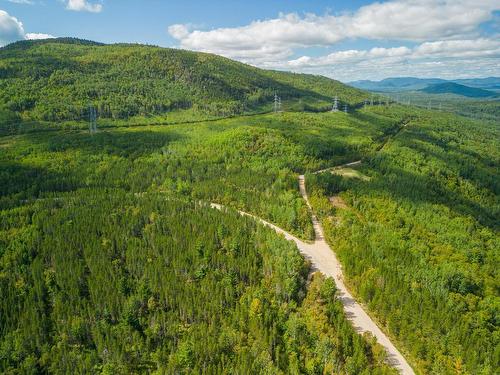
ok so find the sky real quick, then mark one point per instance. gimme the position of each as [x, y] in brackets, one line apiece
[346, 40]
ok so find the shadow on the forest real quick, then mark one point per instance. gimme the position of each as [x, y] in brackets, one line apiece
[124, 143]
[20, 181]
[446, 145]
[365, 116]
[419, 190]
[333, 139]
[437, 184]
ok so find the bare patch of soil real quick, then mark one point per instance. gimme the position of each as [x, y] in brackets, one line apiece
[337, 202]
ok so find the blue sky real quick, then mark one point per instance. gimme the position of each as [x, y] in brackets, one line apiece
[347, 40]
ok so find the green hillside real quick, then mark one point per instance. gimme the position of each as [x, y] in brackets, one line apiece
[457, 89]
[108, 263]
[57, 80]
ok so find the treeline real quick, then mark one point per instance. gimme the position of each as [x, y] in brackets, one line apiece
[419, 240]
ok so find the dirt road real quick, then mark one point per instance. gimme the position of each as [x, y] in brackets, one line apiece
[323, 259]
[353, 164]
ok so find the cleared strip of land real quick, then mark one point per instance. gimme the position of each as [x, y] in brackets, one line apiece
[324, 260]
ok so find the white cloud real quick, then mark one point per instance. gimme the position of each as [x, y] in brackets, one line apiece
[419, 20]
[83, 5]
[179, 31]
[11, 29]
[481, 47]
[449, 58]
[460, 48]
[352, 56]
[410, 20]
[270, 39]
[35, 36]
[28, 2]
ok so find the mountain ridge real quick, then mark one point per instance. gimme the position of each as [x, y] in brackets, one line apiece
[458, 89]
[414, 83]
[125, 80]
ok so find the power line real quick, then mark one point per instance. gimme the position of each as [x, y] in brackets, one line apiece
[335, 106]
[277, 103]
[92, 120]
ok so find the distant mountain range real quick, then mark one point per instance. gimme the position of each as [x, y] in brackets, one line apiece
[457, 89]
[464, 87]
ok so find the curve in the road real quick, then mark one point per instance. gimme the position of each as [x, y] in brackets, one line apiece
[323, 259]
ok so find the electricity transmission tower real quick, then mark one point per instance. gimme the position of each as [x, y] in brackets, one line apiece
[277, 103]
[335, 106]
[345, 108]
[371, 103]
[92, 120]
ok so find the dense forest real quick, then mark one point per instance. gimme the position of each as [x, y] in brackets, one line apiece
[124, 81]
[248, 163]
[416, 228]
[486, 109]
[112, 261]
[107, 282]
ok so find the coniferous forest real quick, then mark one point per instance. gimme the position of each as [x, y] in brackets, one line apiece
[417, 232]
[113, 262]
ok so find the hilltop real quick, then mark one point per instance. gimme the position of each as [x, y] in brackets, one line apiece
[474, 97]
[457, 89]
[124, 80]
[394, 84]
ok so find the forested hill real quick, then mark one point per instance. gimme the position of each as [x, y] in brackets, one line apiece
[457, 89]
[124, 80]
